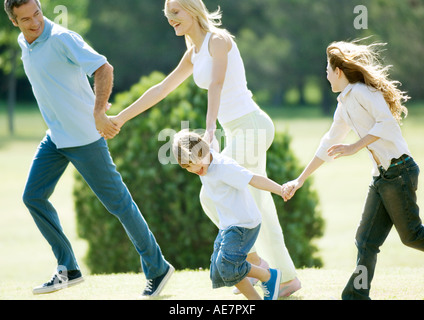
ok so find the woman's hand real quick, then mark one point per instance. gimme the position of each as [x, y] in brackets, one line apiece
[210, 134]
[117, 120]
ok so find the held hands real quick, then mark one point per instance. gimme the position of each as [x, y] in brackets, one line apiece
[336, 151]
[211, 139]
[289, 189]
[210, 134]
[105, 126]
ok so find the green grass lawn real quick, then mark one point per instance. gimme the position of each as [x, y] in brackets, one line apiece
[26, 259]
[317, 284]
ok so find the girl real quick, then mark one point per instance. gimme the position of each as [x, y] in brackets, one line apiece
[372, 106]
[214, 60]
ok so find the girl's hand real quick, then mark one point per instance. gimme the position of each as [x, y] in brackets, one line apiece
[290, 188]
[342, 150]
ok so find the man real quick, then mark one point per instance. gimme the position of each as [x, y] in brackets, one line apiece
[57, 62]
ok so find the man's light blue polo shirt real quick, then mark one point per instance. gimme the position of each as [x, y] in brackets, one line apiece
[57, 65]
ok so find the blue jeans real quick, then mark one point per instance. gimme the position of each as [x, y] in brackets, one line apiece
[391, 201]
[228, 261]
[95, 164]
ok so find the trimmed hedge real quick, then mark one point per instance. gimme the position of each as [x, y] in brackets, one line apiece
[168, 197]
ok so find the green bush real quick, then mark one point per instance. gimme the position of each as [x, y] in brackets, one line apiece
[168, 196]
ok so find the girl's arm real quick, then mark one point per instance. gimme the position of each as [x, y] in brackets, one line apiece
[264, 183]
[218, 48]
[158, 92]
[338, 131]
[290, 188]
[341, 150]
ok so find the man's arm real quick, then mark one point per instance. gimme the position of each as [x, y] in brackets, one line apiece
[103, 83]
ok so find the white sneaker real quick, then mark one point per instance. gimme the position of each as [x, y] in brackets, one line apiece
[60, 280]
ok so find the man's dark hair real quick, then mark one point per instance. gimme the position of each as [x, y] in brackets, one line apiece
[9, 5]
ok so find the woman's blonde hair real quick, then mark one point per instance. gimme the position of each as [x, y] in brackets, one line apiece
[362, 63]
[208, 21]
[189, 148]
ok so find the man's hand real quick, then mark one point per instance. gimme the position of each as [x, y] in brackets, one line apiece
[105, 126]
[117, 120]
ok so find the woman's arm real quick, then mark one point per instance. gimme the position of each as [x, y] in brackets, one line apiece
[218, 48]
[158, 92]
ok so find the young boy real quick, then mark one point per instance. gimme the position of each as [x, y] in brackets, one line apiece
[239, 218]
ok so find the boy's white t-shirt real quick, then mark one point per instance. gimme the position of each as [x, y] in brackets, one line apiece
[226, 183]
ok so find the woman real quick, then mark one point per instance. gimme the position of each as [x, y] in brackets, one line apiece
[212, 57]
[372, 106]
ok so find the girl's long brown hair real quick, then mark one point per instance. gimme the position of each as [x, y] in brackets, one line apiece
[361, 63]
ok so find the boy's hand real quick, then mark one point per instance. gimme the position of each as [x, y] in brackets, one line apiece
[290, 188]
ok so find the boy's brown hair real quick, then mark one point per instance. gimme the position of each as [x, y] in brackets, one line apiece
[189, 148]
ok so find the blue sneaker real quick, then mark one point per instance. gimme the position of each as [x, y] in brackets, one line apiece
[271, 288]
[155, 286]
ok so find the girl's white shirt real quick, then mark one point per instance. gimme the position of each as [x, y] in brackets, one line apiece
[363, 109]
[236, 98]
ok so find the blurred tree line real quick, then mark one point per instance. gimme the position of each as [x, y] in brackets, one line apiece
[282, 42]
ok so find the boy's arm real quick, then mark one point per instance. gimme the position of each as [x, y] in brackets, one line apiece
[264, 183]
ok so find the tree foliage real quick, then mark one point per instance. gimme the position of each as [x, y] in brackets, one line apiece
[282, 41]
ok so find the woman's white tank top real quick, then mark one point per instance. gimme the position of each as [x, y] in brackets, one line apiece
[236, 98]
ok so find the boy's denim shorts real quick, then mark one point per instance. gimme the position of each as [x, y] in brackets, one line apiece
[228, 261]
